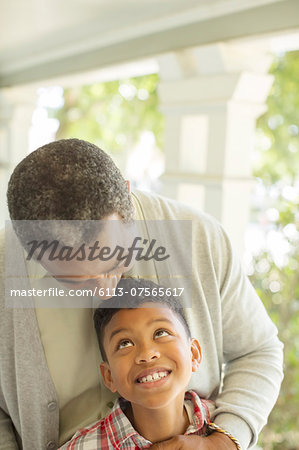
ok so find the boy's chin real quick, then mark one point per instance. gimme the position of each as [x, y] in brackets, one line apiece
[158, 402]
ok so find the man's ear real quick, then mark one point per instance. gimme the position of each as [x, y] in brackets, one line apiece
[128, 185]
[196, 354]
[107, 376]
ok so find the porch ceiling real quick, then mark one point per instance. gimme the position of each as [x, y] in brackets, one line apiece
[42, 39]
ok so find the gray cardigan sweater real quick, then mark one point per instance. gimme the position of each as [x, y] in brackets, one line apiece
[227, 317]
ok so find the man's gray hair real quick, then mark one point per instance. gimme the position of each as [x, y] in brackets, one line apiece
[69, 179]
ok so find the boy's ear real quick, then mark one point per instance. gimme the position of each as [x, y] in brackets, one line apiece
[128, 185]
[107, 376]
[196, 354]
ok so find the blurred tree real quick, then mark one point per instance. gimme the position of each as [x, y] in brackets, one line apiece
[277, 279]
[112, 115]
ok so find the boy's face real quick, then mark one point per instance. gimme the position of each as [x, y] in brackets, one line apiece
[150, 357]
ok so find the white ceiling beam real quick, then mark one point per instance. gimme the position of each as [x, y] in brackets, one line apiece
[62, 60]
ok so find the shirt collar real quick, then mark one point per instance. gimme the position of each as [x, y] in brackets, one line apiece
[201, 415]
[120, 429]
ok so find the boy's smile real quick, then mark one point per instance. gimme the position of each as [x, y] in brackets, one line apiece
[150, 357]
[152, 375]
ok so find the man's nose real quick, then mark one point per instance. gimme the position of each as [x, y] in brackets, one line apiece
[146, 354]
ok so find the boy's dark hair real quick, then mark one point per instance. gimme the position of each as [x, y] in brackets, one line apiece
[69, 179]
[125, 300]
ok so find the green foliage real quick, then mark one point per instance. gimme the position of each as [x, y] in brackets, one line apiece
[112, 115]
[278, 284]
[280, 161]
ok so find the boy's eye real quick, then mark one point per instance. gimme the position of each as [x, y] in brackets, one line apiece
[161, 333]
[125, 343]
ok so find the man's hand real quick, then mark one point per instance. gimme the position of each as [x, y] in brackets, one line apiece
[215, 441]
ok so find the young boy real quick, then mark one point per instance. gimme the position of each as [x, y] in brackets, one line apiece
[148, 358]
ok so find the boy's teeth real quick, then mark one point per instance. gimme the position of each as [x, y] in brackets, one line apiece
[153, 377]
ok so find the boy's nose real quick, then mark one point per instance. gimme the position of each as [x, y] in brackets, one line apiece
[147, 355]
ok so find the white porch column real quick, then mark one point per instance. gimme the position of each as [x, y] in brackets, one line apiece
[16, 108]
[211, 97]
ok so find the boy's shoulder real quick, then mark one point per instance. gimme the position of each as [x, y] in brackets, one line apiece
[87, 434]
[102, 433]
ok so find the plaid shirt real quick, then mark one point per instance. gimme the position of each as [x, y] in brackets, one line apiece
[116, 432]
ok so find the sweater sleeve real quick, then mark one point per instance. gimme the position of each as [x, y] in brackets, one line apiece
[252, 354]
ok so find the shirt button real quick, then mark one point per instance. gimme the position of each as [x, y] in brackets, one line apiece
[51, 445]
[52, 406]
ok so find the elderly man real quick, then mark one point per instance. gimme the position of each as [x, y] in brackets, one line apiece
[50, 385]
